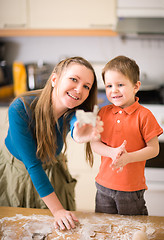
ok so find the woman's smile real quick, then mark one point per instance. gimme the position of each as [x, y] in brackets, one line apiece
[72, 96]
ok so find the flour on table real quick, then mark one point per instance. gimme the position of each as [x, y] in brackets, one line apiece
[106, 227]
[33, 227]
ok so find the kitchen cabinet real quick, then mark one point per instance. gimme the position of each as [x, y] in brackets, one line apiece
[3, 124]
[72, 14]
[13, 14]
[85, 190]
[57, 18]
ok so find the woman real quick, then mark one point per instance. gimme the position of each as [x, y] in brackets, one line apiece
[38, 124]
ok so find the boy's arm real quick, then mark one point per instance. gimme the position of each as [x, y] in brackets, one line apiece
[106, 151]
[146, 153]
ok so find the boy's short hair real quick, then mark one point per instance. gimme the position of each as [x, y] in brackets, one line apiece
[128, 67]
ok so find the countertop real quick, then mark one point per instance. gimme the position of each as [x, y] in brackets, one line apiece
[25, 223]
[5, 102]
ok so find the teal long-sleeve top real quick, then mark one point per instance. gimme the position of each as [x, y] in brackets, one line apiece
[21, 143]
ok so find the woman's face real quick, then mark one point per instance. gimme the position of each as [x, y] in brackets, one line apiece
[72, 88]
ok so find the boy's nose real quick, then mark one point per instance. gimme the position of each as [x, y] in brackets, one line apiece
[114, 89]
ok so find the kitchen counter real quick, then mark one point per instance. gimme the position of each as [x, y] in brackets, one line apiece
[20, 223]
[5, 102]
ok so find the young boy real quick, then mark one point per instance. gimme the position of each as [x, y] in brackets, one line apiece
[121, 182]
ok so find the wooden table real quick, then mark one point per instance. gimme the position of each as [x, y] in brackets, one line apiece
[104, 226]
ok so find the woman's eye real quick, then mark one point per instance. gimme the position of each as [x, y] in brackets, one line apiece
[85, 86]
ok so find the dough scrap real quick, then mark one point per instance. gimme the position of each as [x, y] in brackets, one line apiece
[90, 231]
[87, 117]
[140, 234]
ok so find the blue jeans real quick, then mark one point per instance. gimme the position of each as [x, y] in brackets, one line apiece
[118, 202]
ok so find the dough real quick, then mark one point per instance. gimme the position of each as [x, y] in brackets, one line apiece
[140, 234]
[91, 231]
[87, 117]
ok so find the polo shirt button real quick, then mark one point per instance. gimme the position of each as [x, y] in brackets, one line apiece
[118, 121]
[120, 112]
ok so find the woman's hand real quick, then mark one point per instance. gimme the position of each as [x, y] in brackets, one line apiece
[64, 219]
[87, 132]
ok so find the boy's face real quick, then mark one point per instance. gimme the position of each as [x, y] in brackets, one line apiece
[119, 89]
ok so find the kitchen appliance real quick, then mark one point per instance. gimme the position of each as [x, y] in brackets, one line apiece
[5, 69]
[37, 75]
[140, 17]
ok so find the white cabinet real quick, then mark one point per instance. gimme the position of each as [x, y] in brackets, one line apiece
[13, 14]
[85, 190]
[3, 124]
[72, 14]
[154, 196]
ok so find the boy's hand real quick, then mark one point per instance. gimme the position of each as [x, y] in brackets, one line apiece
[120, 162]
[116, 159]
[117, 152]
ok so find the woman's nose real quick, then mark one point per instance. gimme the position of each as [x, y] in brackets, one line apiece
[78, 88]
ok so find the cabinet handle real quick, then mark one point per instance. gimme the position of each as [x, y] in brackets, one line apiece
[14, 25]
[101, 26]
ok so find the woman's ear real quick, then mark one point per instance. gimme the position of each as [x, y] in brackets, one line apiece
[53, 79]
[137, 86]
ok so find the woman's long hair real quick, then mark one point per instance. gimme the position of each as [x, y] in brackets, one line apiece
[45, 119]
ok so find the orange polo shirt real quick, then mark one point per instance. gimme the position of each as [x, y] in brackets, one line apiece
[135, 124]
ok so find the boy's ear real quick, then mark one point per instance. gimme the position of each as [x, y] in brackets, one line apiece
[53, 79]
[137, 86]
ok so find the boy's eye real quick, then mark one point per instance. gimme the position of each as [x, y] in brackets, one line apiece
[120, 85]
[109, 86]
[74, 79]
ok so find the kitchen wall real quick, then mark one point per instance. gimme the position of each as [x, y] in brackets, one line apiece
[148, 52]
